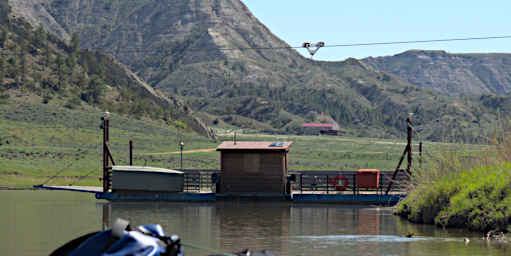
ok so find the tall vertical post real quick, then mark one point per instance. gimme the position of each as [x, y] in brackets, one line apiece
[131, 152]
[181, 146]
[107, 154]
[408, 152]
[409, 145]
[106, 176]
[420, 155]
[301, 183]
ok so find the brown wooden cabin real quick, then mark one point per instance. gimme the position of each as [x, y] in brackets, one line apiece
[253, 167]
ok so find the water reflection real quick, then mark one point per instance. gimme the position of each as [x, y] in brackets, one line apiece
[36, 222]
[340, 230]
[297, 229]
[227, 226]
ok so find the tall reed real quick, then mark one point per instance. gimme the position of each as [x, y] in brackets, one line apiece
[460, 188]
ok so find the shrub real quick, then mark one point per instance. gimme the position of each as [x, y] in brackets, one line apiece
[72, 103]
[180, 124]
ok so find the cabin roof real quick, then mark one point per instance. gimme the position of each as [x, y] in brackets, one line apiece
[129, 168]
[318, 125]
[254, 145]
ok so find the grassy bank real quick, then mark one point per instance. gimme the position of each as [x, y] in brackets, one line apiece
[457, 190]
[39, 142]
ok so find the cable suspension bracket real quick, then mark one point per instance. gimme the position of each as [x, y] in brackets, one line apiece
[313, 48]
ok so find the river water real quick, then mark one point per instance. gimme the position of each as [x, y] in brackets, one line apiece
[36, 222]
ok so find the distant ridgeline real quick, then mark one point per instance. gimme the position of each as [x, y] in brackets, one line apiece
[450, 73]
[39, 68]
[200, 51]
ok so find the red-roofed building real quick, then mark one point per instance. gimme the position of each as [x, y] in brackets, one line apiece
[319, 128]
[253, 167]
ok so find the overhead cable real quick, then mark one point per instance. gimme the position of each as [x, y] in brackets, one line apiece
[134, 49]
[142, 50]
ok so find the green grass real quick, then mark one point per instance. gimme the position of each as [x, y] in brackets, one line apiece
[40, 141]
[348, 153]
[465, 192]
[45, 141]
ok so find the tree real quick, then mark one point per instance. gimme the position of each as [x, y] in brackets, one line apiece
[94, 91]
[3, 69]
[82, 82]
[23, 69]
[75, 43]
[4, 36]
[75, 50]
[47, 53]
[71, 61]
[40, 36]
[60, 70]
[24, 47]
[14, 65]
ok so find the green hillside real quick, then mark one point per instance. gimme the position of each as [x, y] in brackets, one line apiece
[214, 55]
[52, 95]
[59, 146]
[39, 141]
[39, 68]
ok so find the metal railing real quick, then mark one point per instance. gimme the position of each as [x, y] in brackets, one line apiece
[340, 182]
[199, 181]
[329, 182]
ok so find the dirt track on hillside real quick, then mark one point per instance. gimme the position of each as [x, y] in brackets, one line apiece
[184, 152]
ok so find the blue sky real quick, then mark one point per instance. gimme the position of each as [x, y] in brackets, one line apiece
[363, 21]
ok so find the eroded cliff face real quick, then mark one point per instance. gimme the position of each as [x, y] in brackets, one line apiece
[145, 30]
[163, 41]
[202, 51]
[451, 74]
[35, 12]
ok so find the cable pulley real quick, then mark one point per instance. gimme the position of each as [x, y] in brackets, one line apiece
[313, 48]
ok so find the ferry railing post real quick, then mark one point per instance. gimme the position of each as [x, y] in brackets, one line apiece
[107, 154]
[181, 146]
[200, 181]
[327, 184]
[354, 184]
[409, 143]
[301, 183]
[131, 152]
